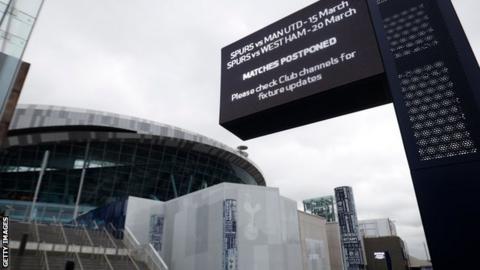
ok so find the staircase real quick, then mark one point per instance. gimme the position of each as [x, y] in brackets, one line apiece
[57, 260]
[89, 249]
[29, 260]
[120, 263]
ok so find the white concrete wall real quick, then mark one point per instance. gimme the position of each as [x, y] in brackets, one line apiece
[334, 246]
[267, 229]
[139, 211]
[314, 242]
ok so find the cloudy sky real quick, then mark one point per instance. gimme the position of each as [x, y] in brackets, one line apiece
[160, 60]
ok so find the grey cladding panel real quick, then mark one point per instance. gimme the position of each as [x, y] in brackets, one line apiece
[38, 116]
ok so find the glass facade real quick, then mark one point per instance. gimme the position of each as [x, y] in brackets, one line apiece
[95, 158]
[17, 19]
[113, 170]
[323, 206]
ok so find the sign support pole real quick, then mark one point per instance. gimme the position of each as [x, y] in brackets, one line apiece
[434, 81]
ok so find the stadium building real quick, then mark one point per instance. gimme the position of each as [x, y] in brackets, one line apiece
[93, 158]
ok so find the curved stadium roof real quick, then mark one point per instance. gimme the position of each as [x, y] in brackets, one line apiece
[34, 124]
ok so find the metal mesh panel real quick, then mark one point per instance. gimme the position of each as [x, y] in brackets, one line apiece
[435, 113]
[410, 32]
[434, 107]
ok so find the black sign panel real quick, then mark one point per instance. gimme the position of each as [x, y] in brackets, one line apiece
[318, 63]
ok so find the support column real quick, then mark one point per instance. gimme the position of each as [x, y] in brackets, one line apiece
[82, 179]
[39, 184]
[434, 80]
[174, 185]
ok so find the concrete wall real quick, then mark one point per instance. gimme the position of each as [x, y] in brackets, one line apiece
[227, 226]
[314, 242]
[139, 215]
[334, 246]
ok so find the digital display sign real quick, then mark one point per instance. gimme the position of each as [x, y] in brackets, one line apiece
[272, 74]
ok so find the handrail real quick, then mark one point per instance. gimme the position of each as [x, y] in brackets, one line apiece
[88, 235]
[108, 261]
[114, 230]
[36, 234]
[63, 233]
[79, 261]
[96, 229]
[42, 259]
[46, 260]
[96, 225]
[155, 253]
[130, 234]
[50, 247]
[55, 223]
[35, 227]
[147, 252]
[110, 238]
[44, 253]
[133, 262]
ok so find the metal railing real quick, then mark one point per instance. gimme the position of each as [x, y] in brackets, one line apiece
[62, 230]
[108, 261]
[116, 246]
[44, 260]
[79, 261]
[110, 238]
[39, 245]
[133, 262]
[60, 243]
[63, 234]
[65, 238]
[37, 234]
[156, 258]
[145, 253]
[88, 235]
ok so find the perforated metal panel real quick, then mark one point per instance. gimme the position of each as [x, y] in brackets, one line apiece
[434, 107]
[410, 31]
[435, 113]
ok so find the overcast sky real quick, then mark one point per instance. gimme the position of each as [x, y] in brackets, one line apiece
[160, 60]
